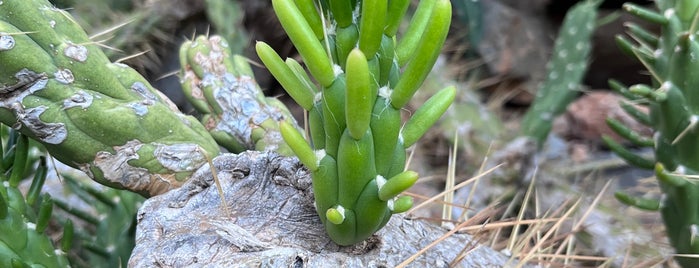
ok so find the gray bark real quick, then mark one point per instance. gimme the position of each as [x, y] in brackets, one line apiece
[271, 222]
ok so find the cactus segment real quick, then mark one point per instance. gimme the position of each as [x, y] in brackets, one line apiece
[407, 44]
[427, 115]
[421, 64]
[308, 9]
[299, 145]
[645, 13]
[285, 75]
[346, 40]
[627, 155]
[628, 134]
[565, 71]
[304, 39]
[674, 115]
[90, 113]
[342, 12]
[401, 204]
[358, 103]
[355, 121]
[641, 203]
[397, 184]
[396, 12]
[372, 24]
[230, 97]
[642, 35]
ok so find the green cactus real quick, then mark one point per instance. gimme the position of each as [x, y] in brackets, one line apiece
[24, 218]
[234, 109]
[470, 13]
[357, 146]
[107, 236]
[101, 117]
[226, 17]
[673, 104]
[565, 71]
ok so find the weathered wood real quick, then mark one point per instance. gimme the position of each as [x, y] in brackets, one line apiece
[271, 222]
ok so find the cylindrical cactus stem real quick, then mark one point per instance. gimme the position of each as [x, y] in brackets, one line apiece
[237, 113]
[355, 121]
[104, 118]
[565, 70]
[674, 117]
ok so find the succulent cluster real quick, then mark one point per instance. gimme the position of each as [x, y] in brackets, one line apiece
[673, 102]
[57, 87]
[357, 140]
[24, 218]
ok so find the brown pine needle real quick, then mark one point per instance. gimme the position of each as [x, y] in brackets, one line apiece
[434, 243]
[460, 185]
[464, 215]
[581, 221]
[224, 204]
[451, 175]
[520, 216]
[558, 224]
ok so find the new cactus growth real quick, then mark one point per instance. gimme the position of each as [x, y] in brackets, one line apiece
[58, 87]
[565, 70]
[673, 114]
[356, 151]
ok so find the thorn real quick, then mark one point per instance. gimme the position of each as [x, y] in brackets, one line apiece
[131, 56]
[693, 120]
[111, 29]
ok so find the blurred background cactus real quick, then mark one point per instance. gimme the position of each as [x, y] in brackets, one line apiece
[671, 97]
[24, 217]
[565, 71]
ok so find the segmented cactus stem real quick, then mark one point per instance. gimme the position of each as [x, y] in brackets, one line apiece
[357, 151]
[673, 100]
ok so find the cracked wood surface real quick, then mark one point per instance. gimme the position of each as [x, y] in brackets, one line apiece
[271, 222]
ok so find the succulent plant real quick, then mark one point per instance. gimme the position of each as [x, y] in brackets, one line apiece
[226, 18]
[672, 99]
[106, 221]
[58, 88]
[24, 218]
[222, 89]
[565, 70]
[357, 141]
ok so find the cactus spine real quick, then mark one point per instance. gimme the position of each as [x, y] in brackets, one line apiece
[673, 100]
[357, 148]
